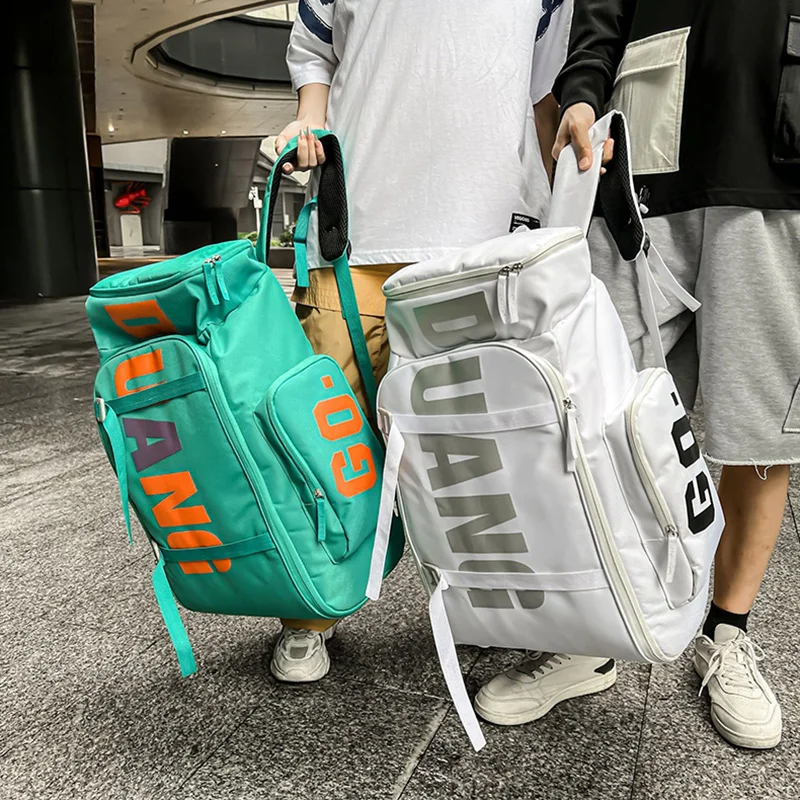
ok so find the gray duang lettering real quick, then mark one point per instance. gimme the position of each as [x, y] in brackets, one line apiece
[484, 458]
[449, 373]
[452, 322]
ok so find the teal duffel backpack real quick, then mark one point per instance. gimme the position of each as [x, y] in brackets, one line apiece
[246, 458]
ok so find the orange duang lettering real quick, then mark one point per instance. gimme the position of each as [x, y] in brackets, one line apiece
[189, 539]
[137, 367]
[178, 487]
[325, 409]
[360, 461]
[141, 320]
[327, 381]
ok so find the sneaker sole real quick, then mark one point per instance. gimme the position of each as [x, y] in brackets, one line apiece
[278, 674]
[593, 686]
[737, 739]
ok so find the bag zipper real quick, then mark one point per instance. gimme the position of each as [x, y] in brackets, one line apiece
[608, 549]
[215, 279]
[470, 275]
[157, 284]
[318, 495]
[657, 502]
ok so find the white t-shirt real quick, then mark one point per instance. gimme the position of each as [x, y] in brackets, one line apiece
[433, 104]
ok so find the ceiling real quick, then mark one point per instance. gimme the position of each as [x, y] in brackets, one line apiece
[136, 100]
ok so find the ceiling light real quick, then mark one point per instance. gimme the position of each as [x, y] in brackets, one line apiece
[186, 133]
[111, 128]
[223, 132]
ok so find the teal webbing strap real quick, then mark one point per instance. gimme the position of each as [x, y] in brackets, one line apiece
[172, 619]
[300, 240]
[273, 184]
[168, 390]
[246, 547]
[352, 318]
[110, 422]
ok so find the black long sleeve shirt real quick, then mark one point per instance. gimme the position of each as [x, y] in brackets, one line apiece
[740, 125]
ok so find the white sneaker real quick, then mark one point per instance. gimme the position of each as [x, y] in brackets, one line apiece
[300, 656]
[743, 708]
[529, 690]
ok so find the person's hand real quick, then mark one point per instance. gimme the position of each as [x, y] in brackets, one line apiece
[574, 129]
[310, 152]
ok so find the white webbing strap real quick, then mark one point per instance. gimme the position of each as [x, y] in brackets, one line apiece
[395, 446]
[647, 300]
[448, 660]
[652, 298]
[670, 281]
[510, 420]
[584, 581]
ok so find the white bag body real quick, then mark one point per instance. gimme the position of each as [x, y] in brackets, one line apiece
[554, 498]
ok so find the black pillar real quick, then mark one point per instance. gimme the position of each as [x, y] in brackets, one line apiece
[46, 225]
[208, 182]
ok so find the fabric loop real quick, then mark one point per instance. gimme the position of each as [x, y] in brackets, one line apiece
[169, 390]
[588, 580]
[510, 420]
[245, 547]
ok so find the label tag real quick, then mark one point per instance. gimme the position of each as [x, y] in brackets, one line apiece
[524, 221]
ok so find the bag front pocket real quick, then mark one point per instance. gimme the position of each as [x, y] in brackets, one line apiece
[786, 144]
[678, 514]
[649, 92]
[312, 419]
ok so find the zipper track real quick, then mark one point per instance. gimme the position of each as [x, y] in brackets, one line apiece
[250, 470]
[310, 479]
[654, 495]
[157, 284]
[609, 551]
[523, 263]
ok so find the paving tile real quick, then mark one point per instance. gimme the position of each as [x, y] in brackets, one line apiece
[337, 739]
[682, 756]
[585, 748]
[44, 671]
[134, 728]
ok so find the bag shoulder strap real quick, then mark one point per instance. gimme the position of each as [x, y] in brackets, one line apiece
[576, 196]
[334, 243]
[577, 193]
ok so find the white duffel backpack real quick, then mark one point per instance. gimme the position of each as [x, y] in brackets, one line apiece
[554, 497]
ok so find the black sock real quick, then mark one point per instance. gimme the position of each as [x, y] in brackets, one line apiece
[719, 616]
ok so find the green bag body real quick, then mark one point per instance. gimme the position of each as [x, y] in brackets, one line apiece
[246, 458]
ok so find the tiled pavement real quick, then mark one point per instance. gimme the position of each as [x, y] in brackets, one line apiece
[91, 705]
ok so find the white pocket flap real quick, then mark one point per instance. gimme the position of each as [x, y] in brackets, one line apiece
[655, 52]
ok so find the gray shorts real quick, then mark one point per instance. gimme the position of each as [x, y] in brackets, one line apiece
[742, 350]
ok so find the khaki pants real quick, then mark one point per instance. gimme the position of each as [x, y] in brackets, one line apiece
[319, 312]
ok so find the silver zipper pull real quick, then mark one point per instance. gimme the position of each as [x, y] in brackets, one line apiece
[513, 281]
[210, 275]
[671, 532]
[219, 275]
[572, 434]
[319, 502]
[502, 293]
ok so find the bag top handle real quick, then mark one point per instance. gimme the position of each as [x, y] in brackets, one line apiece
[332, 204]
[575, 192]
